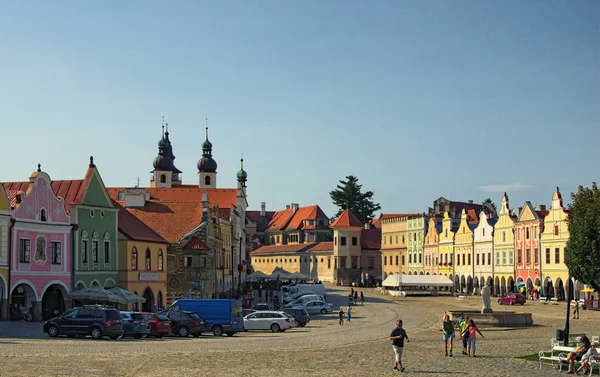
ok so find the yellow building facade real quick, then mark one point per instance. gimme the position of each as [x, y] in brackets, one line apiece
[393, 244]
[4, 225]
[446, 248]
[504, 250]
[316, 261]
[553, 241]
[463, 250]
[431, 246]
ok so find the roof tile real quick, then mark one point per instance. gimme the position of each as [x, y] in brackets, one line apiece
[134, 228]
[196, 243]
[346, 219]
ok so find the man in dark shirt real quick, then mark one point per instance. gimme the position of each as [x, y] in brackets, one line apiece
[397, 337]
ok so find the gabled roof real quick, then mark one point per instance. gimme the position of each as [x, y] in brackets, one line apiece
[134, 229]
[346, 219]
[376, 223]
[196, 243]
[306, 213]
[261, 223]
[280, 219]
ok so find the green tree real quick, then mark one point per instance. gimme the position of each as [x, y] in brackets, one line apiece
[583, 249]
[348, 195]
[490, 204]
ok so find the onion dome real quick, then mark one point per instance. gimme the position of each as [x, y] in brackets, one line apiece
[207, 164]
[242, 176]
[163, 161]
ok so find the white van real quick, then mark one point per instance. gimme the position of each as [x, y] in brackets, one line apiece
[303, 300]
[318, 289]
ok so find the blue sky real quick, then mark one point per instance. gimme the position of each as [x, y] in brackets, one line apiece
[419, 99]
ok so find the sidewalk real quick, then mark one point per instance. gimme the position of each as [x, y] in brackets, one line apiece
[14, 329]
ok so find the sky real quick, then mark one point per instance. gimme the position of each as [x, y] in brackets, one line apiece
[418, 99]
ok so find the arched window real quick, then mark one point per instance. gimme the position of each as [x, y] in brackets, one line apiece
[163, 178]
[84, 247]
[207, 180]
[43, 215]
[134, 256]
[148, 260]
[160, 260]
[106, 247]
[95, 243]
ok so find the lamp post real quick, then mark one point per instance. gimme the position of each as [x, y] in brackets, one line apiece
[569, 298]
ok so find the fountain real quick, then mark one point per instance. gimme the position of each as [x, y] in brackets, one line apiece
[488, 317]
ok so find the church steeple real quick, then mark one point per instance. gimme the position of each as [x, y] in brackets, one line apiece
[165, 173]
[207, 166]
[242, 176]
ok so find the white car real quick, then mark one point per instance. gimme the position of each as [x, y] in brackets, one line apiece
[303, 300]
[268, 320]
[290, 298]
[316, 307]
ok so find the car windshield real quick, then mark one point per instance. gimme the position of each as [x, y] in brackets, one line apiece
[137, 316]
[113, 314]
[162, 317]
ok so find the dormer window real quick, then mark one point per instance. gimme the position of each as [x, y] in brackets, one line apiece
[43, 215]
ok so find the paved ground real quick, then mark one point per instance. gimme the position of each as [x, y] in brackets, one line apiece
[321, 349]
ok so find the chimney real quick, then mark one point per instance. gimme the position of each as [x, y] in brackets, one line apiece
[542, 207]
[295, 206]
[204, 208]
[263, 209]
[519, 210]
[287, 206]
[470, 201]
[134, 197]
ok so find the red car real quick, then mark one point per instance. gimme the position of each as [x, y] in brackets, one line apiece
[512, 299]
[245, 312]
[160, 325]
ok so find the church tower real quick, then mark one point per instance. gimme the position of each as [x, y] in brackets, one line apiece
[165, 174]
[207, 166]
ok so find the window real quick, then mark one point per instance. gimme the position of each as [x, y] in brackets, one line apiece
[403, 241]
[536, 256]
[469, 259]
[148, 263]
[188, 261]
[385, 260]
[410, 259]
[134, 258]
[483, 232]
[106, 247]
[403, 260]
[397, 259]
[95, 251]
[420, 258]
[84, 247]
[556, 255]
[503, 236]
[547, 255]
[527, 233]
[489, 258]
[343, 262]
[354, 262]
[498, 257]
[414, 236]
[354, 241]
[396, 239]
[463, 261]
[527, 256]
[372, 262]
[43, 215]
[556, 231]
[510, 257]
[207, 180]
[446, 233]
[342, 241]
[56, 252]
[163, 178]
[160, 260]
[329, 263]
[24, 250]
[477, 260]
[335, 240]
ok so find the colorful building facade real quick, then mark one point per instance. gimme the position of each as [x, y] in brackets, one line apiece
[431, 246]
[553, 241]
[446, 249]
[393, 244]
[4, 250]
[40, 276]
[483, 251]
[504, 250]
[415, 232]
[463, 250]
[528, 227]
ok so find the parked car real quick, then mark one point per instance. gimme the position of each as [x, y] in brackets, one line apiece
[268, 320]
[512, 299]
[222, 316]
[293, 297]
[316, 307]
[96, 321]
[262, 306]
[135, 325]
[184, 323]
[301, 316]
[245, 312]
[303, 300]
[160, 325]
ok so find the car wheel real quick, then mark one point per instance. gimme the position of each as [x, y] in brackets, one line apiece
[113, 337]
[303, 325]
[522, 303]
[183, 331]
[53, 331]
[511, 303]
[499, 302]
[230, 334]
[217, 331]
[297, 323]
[159, 336]
[323, 311]
[96, 333]
[275, 328]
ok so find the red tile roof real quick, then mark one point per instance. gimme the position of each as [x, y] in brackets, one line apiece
[346, 219]
[322, 246]
[196, 243]
[261, 223]
[296, 248]
[376, 223]
[134, 228]
[387, 216]
[73, 191]
[370, 239]
[306, 213]
[225, 198]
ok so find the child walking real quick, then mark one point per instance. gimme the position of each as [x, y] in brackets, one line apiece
[472, 329]
[341, 315]
[448, 329]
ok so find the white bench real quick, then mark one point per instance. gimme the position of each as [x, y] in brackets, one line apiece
[554, 301]
[555, 354]
[461, 297]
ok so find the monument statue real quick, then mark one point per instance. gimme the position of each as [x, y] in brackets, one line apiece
[486, 292]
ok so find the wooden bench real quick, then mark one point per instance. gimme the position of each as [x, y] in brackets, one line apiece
[555, 354]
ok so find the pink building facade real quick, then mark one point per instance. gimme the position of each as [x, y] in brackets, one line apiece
[40, 268]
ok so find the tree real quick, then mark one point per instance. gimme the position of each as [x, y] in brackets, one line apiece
[490, 204]
[348, 195]
[583, 247]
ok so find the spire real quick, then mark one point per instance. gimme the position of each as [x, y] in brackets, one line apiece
[39, 168]
[167, 133]
[163, 127]
[242, 176]
[92, 162]
[206, 128]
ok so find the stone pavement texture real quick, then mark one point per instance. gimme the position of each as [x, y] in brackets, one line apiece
[323, 348]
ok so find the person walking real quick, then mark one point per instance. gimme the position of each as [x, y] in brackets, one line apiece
[349, 312]
[341, 315]
[355, 297]
[448, 329]
[362, 298]
[472, 329]
[576, 310]
[397, 337]
[464, 334]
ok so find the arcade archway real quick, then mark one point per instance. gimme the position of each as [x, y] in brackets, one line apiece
[148, 306]
[53, 301]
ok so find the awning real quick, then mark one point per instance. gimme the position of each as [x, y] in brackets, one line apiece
[587, 290]
[96, 294]
[126, 295]
[398, 280]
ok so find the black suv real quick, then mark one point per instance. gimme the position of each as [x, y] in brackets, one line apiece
[301, 316]
[184, 323]
[97, 321]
